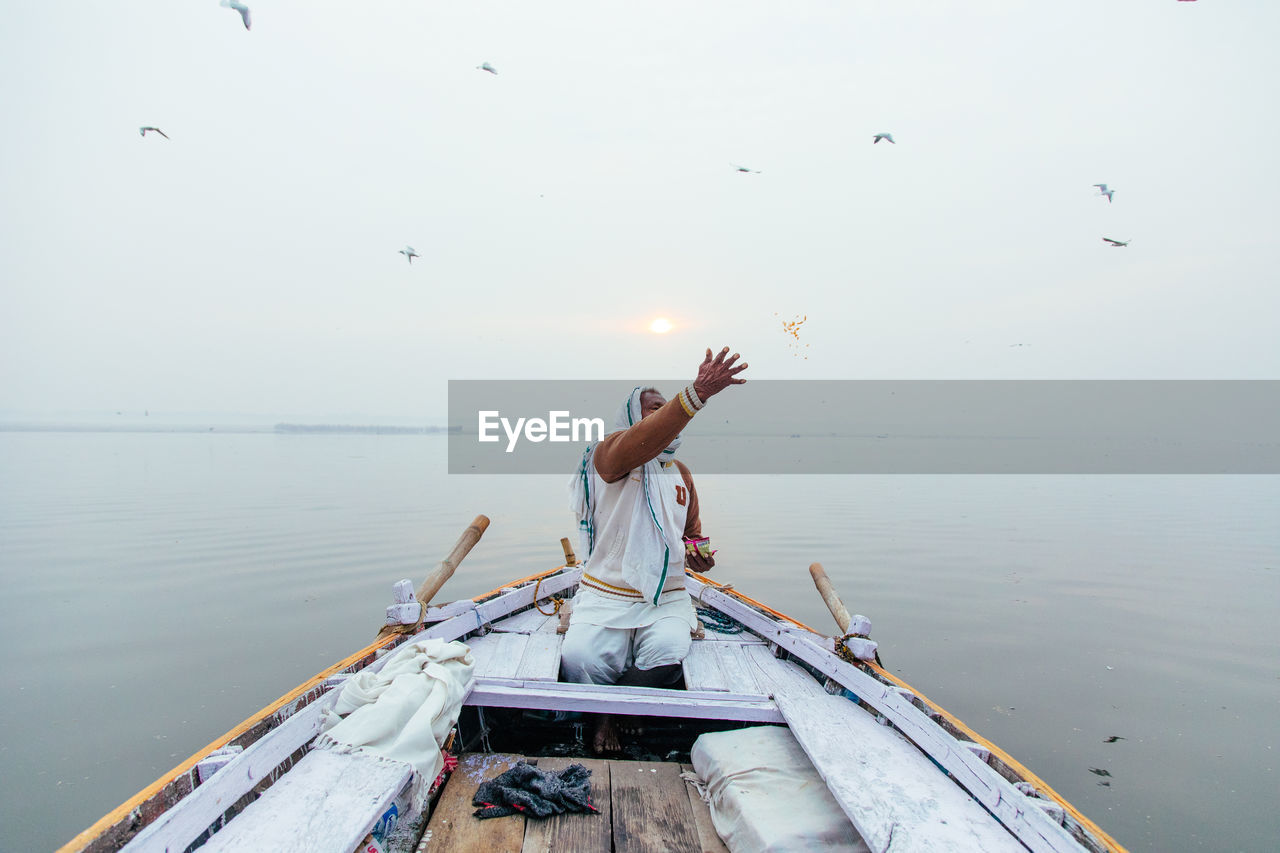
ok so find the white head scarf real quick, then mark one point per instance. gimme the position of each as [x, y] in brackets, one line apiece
[582, 499]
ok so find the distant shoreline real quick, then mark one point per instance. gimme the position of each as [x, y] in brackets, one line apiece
[282, 428]
[366, 430]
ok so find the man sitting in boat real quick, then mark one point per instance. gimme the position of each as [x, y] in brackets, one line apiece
[636, 504]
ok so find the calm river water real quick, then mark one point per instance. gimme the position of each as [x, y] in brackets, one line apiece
[161, 587]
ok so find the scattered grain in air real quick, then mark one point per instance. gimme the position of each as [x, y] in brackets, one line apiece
[792, 328]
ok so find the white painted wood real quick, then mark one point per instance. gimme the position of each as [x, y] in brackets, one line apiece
[859, 624]
[862, 649]
[1055, 812]
[327, 803]
[528, 622]
[215, 761]
[336, 680]
[480, 615]
[702, 669]
[743, 638]
[187, 819]
[893, 794]
[553, 623]
[720, 666]
[403, 591]
[449, 610]
[1032, 826]
[611, 699]
[497, 655]
[977, 749]
[541, 660]
[739, 675]
[403, 614]
[523, 596]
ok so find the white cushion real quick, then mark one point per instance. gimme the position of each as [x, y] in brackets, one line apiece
[766, 796]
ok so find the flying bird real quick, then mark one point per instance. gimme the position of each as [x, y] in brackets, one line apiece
[1102, 190]
[409, 253]
[484, 66]
[1116, 243]
[887, 137]
[745, 169]
[239, 7]
[143, 131]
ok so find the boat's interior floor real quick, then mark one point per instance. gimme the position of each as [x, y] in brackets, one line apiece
[644, 806]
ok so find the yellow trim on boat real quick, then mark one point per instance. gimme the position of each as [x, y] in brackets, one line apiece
[1014, 764]
[729, 590]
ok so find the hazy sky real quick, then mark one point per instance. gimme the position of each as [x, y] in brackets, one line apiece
[249, 264]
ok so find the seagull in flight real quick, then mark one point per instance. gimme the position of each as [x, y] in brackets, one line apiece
[887, 137]
[484, 66]
[409, 253]
[239, 7]
[143, 131]
[745, 169]
[1102, 190]
[1116, 244]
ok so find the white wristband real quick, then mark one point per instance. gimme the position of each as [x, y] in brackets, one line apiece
[693, 397]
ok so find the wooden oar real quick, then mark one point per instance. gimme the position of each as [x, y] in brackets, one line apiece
[854, 628]
[830, 596]
[442, 572]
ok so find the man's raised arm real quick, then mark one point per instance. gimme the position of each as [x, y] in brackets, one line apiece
[623, 451]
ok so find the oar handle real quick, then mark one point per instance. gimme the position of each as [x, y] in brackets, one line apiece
[830, 596]
[569, 558]
[444, 570]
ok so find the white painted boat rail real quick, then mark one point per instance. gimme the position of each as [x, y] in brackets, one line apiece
[1013, 808]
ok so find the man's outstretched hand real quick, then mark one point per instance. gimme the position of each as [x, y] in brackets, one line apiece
[715, 375]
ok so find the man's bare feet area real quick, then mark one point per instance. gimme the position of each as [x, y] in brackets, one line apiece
[605, 738]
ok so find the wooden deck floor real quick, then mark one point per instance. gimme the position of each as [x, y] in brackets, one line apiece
[644, 806]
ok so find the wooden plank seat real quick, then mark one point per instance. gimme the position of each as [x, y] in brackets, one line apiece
[329, 801]
[612, 699]
[645, 807]
[528, 657]
[720, 666]
[182, 824]
[531, 621]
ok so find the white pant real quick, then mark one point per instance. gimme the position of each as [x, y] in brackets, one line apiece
[595, 655]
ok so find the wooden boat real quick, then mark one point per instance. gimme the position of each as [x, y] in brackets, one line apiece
[908, 775]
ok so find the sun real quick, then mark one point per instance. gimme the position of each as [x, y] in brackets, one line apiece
[661, 326]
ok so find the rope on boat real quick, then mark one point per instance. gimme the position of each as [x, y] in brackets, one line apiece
[843, 652]
[556, 601]
[717, 621]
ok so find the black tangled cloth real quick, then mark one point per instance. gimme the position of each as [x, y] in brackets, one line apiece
[524, 789]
